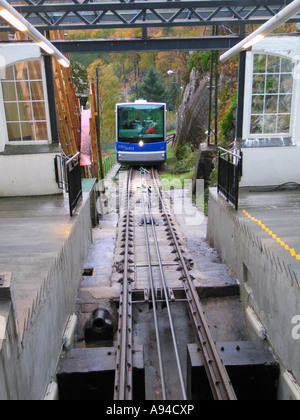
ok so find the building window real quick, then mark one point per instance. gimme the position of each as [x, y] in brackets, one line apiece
[271, 106]
[24, 102]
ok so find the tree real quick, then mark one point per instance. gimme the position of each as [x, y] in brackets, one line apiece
[80, 78]
[173, 94]
[109, 95]
[147, 59]
[153, 88]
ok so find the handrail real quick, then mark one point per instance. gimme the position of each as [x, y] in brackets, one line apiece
[230, 172]
[229, 152]
[72, 158]
[68, 178]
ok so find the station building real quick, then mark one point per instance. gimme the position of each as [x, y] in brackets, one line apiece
[271, 127]
[28, 144]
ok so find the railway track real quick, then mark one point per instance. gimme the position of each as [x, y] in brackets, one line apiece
[146, 185]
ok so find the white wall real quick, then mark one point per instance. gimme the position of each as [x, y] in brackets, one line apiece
[269, 166]
[17, 52]
[26, 175]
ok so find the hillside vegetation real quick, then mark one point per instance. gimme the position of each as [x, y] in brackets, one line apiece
[127, 76]
[144, 75]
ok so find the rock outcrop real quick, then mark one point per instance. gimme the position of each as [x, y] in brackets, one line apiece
[192, 118]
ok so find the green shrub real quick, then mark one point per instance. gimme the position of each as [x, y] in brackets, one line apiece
[226, 123]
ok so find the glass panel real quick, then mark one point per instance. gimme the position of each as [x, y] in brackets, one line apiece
[271, 104]
[273, 64]
[27, 131]
[270, 124]
[41, 131]
[13, 130]
[9, 92]
[35, 70]
[285, 103]
[258, 102]
[23, 91]
[259, 83]
[24, 102]
[39, 112]
[257, 124]
[286, 66]
[259, 63]
[11, 111]
[37, 92]
[141, 122]
[283, 124]
[286, 83]
[272, 85]
[21, 71]
[25, 111]
[9, 73]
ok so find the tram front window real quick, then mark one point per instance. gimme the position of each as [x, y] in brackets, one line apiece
[144, 122]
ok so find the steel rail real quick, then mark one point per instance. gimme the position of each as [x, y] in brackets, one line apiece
[167, 300]
[220, 383]
[123, 377]
[160, 361]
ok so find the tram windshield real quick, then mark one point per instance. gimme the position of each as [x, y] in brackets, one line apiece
[141, 122]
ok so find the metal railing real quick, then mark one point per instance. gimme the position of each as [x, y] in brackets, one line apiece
[229, 174]
[68, 178]
[171, 138]
[74, 182]
[108, 163]
[60, 172]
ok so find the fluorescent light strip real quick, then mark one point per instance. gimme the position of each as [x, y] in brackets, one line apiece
[253, 41]
[15, 19]
[283, 16]
[12, 20]
[64, 62]
[46, 47]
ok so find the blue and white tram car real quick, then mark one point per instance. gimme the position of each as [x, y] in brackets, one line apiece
[141, 133]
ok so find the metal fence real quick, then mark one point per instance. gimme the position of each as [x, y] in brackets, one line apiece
[108, 163]
[74, 182]
[68, 178]
[229, 174]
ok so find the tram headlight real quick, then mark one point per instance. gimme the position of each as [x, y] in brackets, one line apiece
[141, 143]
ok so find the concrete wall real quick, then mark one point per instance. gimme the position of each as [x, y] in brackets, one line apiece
[269, 288]
[28, 361]
[9, 351]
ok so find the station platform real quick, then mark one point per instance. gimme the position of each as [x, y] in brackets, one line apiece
[42, 254]
[274, 218]
[261, 245]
